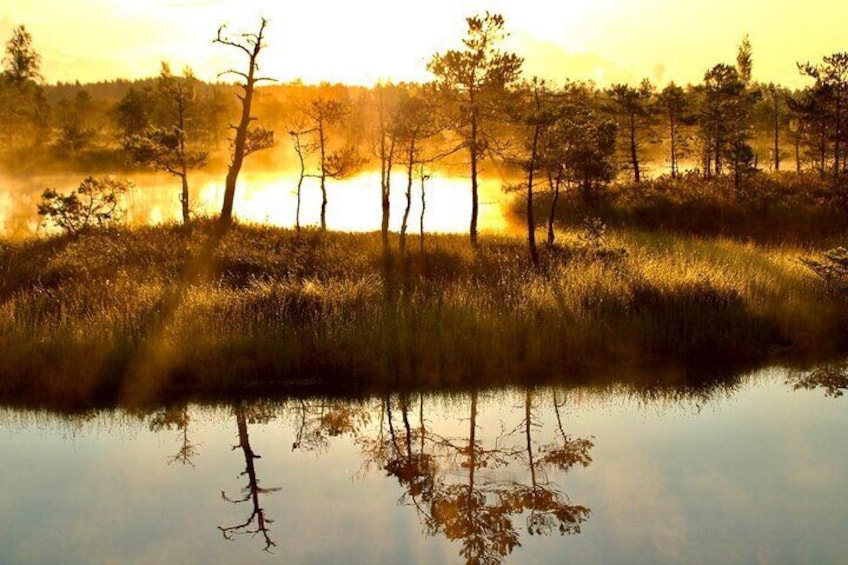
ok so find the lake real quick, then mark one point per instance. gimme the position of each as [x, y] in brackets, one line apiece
[270, 198]
[749, 469]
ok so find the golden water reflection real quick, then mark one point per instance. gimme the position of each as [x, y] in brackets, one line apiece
[270, 198]
[614, 475]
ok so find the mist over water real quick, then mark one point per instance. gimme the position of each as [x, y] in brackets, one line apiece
[269, 197]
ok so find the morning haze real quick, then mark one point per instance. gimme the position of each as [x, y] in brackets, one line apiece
[463, 282]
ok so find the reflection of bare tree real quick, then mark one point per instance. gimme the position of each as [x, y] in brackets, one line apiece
[257, 522]
[833, 378]
[176, 417]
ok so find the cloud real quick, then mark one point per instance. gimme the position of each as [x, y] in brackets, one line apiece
[554, 62]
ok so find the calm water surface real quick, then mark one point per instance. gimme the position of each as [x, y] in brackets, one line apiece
[750, 472]
[270, 198]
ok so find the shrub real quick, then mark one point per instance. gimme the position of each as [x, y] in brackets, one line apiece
[96, 201]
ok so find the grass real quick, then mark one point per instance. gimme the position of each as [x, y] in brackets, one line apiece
[770, 208]
[133, 315]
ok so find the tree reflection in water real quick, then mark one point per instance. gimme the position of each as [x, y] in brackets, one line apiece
[479, 511]
[257, 522]
[468, 487]
[176, 417]
[832, 378]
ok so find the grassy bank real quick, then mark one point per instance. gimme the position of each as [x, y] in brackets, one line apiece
[134, 314]
[773, 209]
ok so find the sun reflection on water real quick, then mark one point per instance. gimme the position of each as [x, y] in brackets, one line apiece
[270, 198]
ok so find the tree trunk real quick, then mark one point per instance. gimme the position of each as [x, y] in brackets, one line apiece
[776, 135]
[673, 133]
[472, 232]
[423, 208]
[386, 163]
[322, 143]
[183, 169]
[836, 149]
[184, 198]
[238, 149]
[554, 184]
[240, 142]
[634, 158]
[531, 220]
[404, 224]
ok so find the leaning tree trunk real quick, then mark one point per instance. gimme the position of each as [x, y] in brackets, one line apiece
[250, 44]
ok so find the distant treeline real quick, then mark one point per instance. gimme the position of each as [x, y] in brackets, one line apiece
[571, 135]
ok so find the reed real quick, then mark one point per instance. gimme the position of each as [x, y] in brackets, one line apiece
[133, 314]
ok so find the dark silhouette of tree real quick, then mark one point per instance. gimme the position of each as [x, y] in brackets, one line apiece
[257, 522]
[301, 149]
[587, 158]
[477, 78]
[725, 122]
[536, 117]
[247, 140]
[811, 107]
[416, 121]
[674, 105]
[632, 106]
[96, 202]
[24, 111]
[134, 111]
[386, 99]
[21, 61]
[166, 148]
[772, 115]
[323, 114]
[423, 177]
[404, 455]
[75, 132]
[745, 60]
[831, 85]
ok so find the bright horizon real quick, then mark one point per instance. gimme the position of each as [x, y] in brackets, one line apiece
[332, 41]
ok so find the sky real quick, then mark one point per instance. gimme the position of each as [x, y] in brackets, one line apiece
[365, 41]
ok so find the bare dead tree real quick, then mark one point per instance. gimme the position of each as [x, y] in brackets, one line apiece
[246, 140]
[301, 149]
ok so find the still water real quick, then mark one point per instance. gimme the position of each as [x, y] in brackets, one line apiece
[750, 471]
[270, 198]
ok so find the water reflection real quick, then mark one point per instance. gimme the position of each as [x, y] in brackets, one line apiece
[176, 418]
[832, 378]
[606, 474]
[257, 522]
[270, 198]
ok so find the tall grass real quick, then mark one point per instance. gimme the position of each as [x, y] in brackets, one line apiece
[135, 314]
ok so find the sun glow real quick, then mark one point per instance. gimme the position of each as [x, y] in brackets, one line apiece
[362, 42]
[353, 204]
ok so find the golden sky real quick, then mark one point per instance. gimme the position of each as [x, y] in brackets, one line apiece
[367, 40]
